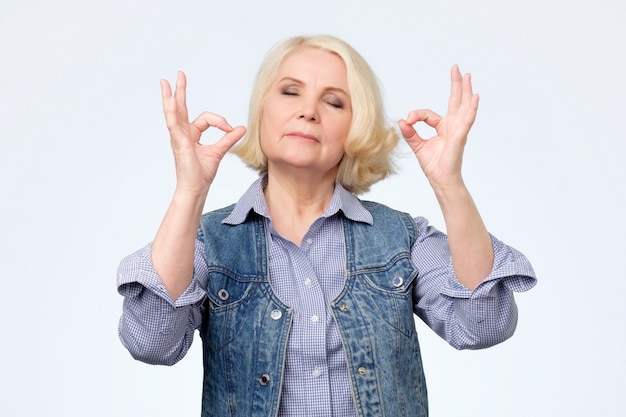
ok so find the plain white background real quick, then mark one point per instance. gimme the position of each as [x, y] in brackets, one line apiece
[86, 175]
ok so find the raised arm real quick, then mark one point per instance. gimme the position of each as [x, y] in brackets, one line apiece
[196, 167]
[440, 157]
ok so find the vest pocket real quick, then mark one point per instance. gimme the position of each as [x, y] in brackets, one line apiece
[389, 293]
[224, 309]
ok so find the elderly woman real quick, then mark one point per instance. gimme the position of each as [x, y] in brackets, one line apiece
[303, 294]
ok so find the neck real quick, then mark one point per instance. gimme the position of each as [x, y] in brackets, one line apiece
[295, 200]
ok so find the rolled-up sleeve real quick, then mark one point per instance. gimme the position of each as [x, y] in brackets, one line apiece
[152, 327]
[467, 319]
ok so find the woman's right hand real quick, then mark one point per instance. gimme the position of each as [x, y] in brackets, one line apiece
[196, 164]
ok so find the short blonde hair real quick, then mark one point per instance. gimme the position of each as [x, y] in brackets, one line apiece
[371, 140]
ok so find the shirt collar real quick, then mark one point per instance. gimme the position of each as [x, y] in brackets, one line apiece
[253, 199]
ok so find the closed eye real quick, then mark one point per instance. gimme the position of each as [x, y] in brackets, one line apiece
[334, 101]
[335, 104]
[289, 91]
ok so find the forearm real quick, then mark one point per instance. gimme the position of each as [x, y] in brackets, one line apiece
[470, 244]
[174, 244]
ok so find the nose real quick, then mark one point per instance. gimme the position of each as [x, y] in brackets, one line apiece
[308, 110]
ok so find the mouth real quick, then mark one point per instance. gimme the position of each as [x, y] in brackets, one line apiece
[302, 136]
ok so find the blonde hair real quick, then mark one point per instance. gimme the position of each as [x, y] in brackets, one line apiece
[370, 142]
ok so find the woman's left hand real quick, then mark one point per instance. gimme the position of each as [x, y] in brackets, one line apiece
[441, 156]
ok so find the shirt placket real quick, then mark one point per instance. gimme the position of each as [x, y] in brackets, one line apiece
[314, 325]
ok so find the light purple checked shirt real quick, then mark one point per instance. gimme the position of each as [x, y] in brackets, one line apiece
[307, 278]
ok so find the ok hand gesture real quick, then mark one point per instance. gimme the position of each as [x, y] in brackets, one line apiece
[441, 156]
[196, 164]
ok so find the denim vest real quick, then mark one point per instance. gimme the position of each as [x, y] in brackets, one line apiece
[245, 326]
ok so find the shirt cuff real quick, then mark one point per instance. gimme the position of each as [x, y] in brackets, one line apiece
[136, 274]
[510, 269]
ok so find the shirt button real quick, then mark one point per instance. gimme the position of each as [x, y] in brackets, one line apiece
[309, 241]
[276, 314]
[316, 372]
[307, 282]
[314, 318]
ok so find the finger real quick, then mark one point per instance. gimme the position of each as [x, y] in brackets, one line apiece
[180, 95]
[207, 119]
[456, 89]
[166, 94]
[408, 131]
[472, 109]
[427, 116]
[467, 94]
[169, 105]
[229, 139]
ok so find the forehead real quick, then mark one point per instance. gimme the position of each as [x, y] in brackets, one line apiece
[308, 63]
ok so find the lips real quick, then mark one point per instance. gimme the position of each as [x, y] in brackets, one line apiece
[303, 135]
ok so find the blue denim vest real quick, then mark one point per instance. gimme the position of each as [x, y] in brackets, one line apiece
[245, 326]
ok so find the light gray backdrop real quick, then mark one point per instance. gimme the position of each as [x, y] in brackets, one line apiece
[86, 175]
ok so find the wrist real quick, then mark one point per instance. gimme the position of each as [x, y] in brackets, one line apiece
[449, 187]
[189, 197]
[190, 192]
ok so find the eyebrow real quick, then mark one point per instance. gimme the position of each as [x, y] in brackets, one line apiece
[300, 82]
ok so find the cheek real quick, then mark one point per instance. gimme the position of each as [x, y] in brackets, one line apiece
[269, 123]
[268, 137]
[344, 131]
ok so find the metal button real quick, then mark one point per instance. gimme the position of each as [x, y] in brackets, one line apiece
[344, 308]
[362, 371]
[223, 294]
[264, 379]
[397, 281]
[276, 314]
